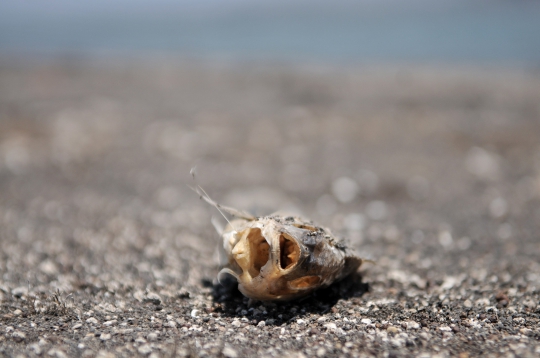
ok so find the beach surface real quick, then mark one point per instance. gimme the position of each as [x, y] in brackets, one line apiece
[433, 172]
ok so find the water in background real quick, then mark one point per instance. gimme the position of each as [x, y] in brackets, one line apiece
[349, 31]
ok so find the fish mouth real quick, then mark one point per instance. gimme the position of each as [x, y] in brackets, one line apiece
[276, 253]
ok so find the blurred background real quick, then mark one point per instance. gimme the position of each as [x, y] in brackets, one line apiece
[342, 31]
[410, 127]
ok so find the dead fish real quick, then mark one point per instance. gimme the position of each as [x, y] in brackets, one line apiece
[280, 258]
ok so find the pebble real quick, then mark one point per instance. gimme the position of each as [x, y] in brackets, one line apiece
[467, 304]
[19, 291]
[331, 326]
[76, 326]
[366, 321]
[105, 336]
[229, 352]
[236, 323]
[18, 336]
[17, 312]
[152, 336]
[413, 325]
[152, 297]
[261, 324]
[392, 329]
[36, 348]
[145, 349]
[195, 313]
[55, 352]
[92, 320]
[345, 189]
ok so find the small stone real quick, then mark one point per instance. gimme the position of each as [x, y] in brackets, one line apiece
[55, 352]
[413, 325]
[145, 349]
[236, 323]
[19, 291]
[36, 348]
[183, 293]
[76, 326]
[261, 324]
[152, 336]
[110, 323]
[365, 321]
[152, 297]
[392, 329]
[105, 354]
[18, 336]
[92, 320]
[105, 336]
[467, 304]
[345, 189]
[321, 352]
[195, 313]
[229, 352]
[17, 312]
[331, 326]
[300, 321]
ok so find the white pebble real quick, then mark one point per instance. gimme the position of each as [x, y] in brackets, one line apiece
[92, 320]
[345, 189]
[105, 336]
[445, 238]
[152, 336]
[331, 326]
[229, 352]
[365, 321]
[194, 313]
[145, 349]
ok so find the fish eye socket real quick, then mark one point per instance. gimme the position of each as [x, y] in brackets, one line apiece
[260, 251]
[289, 252]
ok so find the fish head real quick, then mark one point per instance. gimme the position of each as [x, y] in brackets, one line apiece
[277, 259]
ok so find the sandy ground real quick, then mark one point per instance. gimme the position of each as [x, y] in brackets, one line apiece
[434, 173]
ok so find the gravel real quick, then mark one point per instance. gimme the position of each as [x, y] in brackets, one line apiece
[433, 173]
